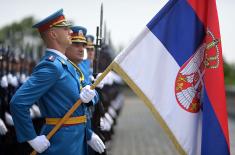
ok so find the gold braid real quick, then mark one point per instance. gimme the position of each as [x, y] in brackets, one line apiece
[81, 77]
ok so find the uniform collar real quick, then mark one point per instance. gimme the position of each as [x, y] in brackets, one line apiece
[58, 53]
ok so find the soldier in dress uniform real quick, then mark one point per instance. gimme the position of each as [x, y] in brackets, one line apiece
[3, 86]
[55, 84]
[75, 53]
[90, 51]
[10, 138]
[99, 123]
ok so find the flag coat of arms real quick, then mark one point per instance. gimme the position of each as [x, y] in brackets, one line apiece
[175, 65]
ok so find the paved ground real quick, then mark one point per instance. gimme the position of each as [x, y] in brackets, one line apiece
[137, 132]
[232, 135]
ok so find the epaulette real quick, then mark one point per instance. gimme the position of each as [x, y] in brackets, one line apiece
[51, 58]
[62, 61]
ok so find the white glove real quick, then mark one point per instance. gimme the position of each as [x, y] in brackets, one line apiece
[118, 102]
[108, 79]
[104, 124]
[9, 77]
[112, 112]
[117, 78]
[9, 119]
[92, 78]
[23, 78]
[32, 115]
[115, 104]
[96, 143]
[36, 110]
[39, 143]
[87, 94]
[101, 84]
[109, 118]
[18, 75]
[3, 128]
[4, 82]
[14, 81]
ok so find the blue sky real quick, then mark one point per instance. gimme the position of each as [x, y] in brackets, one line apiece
[125, 18]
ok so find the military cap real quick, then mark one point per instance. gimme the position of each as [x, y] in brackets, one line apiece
[90, 40]
[57, 19]
[78, 34]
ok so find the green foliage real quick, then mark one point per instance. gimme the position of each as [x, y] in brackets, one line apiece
[229, 73]
[15, 31]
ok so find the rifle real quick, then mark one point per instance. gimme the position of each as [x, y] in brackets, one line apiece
[98, 44]
[9, 70]
[22, 58]
[1, 64]
[7, 60]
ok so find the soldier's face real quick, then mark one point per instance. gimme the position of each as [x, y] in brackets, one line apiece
[90, 53]
[75, 52]
[63, 36]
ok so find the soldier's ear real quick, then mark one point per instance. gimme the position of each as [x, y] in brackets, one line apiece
[53, 34]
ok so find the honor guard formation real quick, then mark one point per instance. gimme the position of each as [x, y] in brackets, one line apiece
[36, 94]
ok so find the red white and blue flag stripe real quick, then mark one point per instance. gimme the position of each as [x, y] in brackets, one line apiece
[175, 65]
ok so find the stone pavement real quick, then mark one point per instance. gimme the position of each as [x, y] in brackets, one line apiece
[137, 132]
[231, 125]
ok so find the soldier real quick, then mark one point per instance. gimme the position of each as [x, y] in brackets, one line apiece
[100, 124]
[75, 52]
[54, 82]
[3, 85]
[10, 138]
[90, 48]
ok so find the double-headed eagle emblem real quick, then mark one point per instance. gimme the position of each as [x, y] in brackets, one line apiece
[189, 80]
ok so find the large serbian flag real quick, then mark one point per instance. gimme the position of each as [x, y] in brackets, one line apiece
[175, 65]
